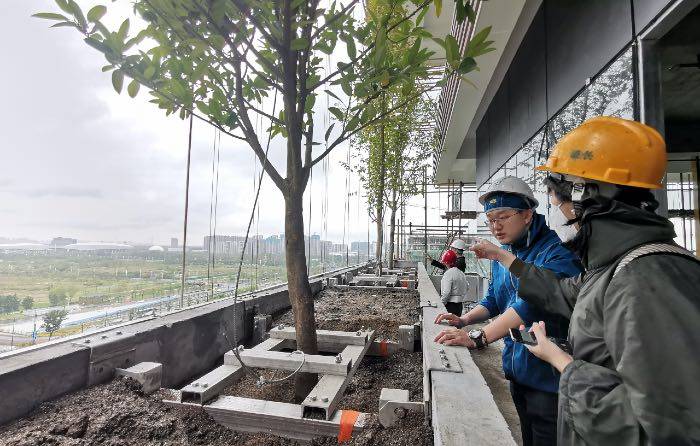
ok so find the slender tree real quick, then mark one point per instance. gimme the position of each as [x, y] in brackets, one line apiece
[53, 321]
[390, 156]
[224, 60]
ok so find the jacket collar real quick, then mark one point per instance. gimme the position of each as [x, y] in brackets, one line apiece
[537, 229]
[616, 228]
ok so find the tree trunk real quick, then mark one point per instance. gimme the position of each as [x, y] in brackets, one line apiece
[299, 289]
[392, 235]
[380, 192]
[380, 235]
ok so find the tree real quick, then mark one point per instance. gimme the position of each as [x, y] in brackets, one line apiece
[58, 297]
[393, 150]
[9, 303]
[221, 60]
[53, 320]
[28, 303]
[391, 157]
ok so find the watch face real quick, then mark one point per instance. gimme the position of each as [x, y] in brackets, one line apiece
[475, 334]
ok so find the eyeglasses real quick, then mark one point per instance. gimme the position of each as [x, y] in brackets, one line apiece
[492, 221]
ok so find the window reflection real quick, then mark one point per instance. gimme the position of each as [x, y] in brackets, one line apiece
[610, 94]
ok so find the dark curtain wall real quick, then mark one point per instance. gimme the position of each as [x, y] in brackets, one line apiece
[499, 129]
[568, 42]
[582, 36]
[482, 151]
[527, 85]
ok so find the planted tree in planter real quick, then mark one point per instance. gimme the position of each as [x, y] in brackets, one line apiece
[391, 155]
[224, 59]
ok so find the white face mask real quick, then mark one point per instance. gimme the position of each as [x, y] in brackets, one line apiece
[557, 221]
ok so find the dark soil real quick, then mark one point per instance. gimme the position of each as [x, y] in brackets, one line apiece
[350, 310]
[118, 414]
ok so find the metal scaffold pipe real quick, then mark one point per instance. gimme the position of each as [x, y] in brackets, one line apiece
[425, 216]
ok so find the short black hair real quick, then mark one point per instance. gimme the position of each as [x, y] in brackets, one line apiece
[560, 188]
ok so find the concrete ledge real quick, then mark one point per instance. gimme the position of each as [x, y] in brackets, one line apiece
[461, 405]
[49, 376]
[187, 343]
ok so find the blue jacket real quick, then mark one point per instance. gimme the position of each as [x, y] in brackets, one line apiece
[542, 248]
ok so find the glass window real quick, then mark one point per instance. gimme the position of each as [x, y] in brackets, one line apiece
[610, 94]
[500, 173]
[525, 163]
[511, 165]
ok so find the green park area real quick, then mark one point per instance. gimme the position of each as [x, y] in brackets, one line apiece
[30, 281]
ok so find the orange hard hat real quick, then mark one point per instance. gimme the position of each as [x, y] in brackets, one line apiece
[611, 150]
[449, 258]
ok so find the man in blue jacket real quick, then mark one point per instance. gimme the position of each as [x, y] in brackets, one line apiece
[510, 209]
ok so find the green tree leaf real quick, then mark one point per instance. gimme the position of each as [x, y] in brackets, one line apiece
[467, 65]
[438, 7]
[123, 30]
[78, 14]
[50, 16]
[329, 130]
[336, 112]
[149, 72]
[299, 44]
[96, 13]
[118, 80]
[133, 88]
[65, 25]
[452, 50]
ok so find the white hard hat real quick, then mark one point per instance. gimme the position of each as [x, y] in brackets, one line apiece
[458, 244]
[511, 185]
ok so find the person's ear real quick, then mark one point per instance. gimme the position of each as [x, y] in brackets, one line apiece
[528, 216]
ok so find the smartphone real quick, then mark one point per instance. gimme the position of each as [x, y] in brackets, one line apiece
[525, 337]
[522, 336]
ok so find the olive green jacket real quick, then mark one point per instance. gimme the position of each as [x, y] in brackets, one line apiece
[635, 378]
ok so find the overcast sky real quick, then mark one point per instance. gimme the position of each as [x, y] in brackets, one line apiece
[80, 161]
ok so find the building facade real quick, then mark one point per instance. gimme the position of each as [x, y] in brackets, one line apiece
[560, 62]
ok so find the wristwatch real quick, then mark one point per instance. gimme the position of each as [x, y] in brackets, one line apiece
[479, 337]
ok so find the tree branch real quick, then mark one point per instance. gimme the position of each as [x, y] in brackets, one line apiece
[344, 137]
[333, 19]
[250, 106]
[369, 47]
[242, 7]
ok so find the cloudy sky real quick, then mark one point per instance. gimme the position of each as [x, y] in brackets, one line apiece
[80, 161]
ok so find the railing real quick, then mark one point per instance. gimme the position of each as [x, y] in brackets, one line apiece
[462, 32]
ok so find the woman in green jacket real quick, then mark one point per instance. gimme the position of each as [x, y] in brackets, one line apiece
[634, 375]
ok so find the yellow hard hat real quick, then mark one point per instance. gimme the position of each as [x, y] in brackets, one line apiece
[611, 150]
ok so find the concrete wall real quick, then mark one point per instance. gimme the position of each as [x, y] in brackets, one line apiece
[188, 343]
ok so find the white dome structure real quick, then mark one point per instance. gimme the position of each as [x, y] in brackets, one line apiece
[156, 248]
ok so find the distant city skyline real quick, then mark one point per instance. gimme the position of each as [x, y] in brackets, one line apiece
[172, 242]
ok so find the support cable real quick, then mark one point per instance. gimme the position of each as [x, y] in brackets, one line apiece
[211, 209]
[187, 205]
[346, 209]
[308, 243]
[216, 207]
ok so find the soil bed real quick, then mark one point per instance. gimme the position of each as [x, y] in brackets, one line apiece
[116, 413]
